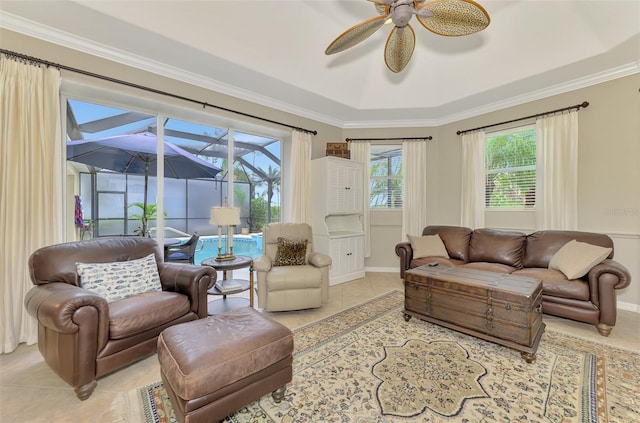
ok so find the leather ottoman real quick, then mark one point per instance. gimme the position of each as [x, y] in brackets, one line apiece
[214, 366]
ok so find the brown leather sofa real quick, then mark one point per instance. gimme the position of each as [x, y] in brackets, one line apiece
[590, 299]
[81, 336]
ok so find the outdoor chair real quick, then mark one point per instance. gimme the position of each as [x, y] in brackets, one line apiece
[182, 253]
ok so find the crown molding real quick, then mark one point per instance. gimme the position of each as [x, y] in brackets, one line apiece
[64, 39]
[608, 75]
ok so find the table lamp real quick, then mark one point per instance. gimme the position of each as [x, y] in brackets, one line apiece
[229, 217]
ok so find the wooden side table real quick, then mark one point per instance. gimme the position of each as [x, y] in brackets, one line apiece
[226, 304]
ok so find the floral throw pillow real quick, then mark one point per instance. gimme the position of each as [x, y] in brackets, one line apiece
[117, 280]
[291, 252]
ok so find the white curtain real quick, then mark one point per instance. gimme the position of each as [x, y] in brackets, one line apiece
[557, 174]
[361, 152]
[298, 198]
[473, 180]
[414, 188]
[30, 186]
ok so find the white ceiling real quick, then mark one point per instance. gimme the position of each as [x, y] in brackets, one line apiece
[272, 52]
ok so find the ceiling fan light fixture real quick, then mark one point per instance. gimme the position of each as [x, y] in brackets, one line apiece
[443, 17]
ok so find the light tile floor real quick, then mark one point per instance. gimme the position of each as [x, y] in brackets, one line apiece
[31, 392]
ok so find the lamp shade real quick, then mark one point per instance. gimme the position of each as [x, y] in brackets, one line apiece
[225, 216]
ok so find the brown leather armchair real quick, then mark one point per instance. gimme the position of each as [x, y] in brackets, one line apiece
[81, 336]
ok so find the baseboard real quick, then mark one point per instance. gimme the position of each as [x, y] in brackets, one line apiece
[383, 270]
[629, 307]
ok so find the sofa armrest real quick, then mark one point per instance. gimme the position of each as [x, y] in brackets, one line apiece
[319, 259]
[191, 280]
[405, 252]
[604, 279]
[620, 272]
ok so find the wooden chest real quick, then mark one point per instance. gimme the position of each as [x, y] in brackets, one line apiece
[497, 307]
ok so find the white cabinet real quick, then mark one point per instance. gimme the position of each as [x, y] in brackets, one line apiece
[337, 205]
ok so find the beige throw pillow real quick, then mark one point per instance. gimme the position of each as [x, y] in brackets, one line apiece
[427, 246]
[575, 259]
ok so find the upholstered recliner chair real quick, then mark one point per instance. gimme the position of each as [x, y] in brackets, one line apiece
[81, 335]
[291, 276]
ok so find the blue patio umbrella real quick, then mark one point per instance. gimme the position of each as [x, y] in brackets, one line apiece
[133, 154]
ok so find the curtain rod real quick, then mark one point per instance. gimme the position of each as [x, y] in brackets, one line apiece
[389, 139]
[13, 54]
[584, 104]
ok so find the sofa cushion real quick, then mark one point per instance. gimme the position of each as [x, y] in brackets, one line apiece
[427, 246]
[490, 267]
[136, 314]
[121, 279]
[442, 260]
[542, 245]
[455, 239]
[575, 259]
[291, 252]
[556, 284]
[490, 245]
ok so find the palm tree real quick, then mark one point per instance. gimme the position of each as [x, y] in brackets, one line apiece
[144, 218]
[273, 183]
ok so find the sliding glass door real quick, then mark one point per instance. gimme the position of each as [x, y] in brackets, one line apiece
[112, 167]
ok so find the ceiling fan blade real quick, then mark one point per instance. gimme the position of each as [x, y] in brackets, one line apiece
[454, 18]
[382, 9]
[399, 48]
[355, 35]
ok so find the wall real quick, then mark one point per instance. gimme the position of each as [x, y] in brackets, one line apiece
[609, 152]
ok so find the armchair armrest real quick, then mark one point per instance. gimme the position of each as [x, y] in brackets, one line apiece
[75, 324]
[262, 264]
[191, 280]
[405, 252]
[55, 304]
[319, 260]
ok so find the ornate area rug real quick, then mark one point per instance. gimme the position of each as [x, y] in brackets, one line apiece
[367, 364]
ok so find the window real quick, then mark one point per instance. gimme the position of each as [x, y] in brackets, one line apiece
[510, 158]
[112, 188]
[386, 177]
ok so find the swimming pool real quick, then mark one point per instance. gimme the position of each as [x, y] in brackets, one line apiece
[243, 245]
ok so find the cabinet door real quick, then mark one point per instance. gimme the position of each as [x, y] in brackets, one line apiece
[337, 251]
[353, 200]
[337, 187]
[344, 188]
[355, 255]
[346, 255]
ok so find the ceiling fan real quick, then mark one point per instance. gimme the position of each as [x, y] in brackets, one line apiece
[442, 17]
